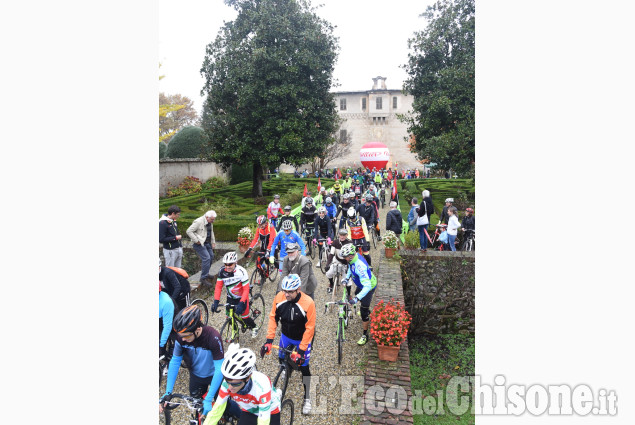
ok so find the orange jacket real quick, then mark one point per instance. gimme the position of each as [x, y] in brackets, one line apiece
[298, 318]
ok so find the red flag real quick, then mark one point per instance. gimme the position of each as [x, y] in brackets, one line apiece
[339, 173]
[305, 191]
[319, 189]
[394, 188]
[389, 174]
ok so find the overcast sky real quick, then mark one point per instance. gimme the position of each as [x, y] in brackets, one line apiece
[373, 38]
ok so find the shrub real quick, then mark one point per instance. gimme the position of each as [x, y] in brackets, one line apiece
[188, 186]
[162, 149]
[189, 142]
[292, 197]
[220, 206]
[411, 240]
[214, 183]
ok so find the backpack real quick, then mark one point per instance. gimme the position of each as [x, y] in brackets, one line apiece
[182, 276]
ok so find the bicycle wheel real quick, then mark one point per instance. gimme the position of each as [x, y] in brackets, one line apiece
[340, 339]
[323, 258]
[257, 310]
[204, 311]
[286, 412]
[283, 386]
[373, 237]
[226, 332]
[255, 282]
[273, 271]
[311, 248]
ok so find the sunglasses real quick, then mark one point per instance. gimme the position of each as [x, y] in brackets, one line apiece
[235, 384]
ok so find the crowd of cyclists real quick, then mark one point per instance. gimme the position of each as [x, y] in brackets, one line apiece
[226, 378]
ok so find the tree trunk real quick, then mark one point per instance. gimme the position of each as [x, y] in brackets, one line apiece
[256, 190]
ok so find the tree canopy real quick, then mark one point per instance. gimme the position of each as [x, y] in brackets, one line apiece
[268, 78]
[175, 112]
[441, 80]
[189, 142]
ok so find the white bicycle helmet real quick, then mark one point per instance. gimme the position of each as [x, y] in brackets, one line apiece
[239, 364]
[328, 201]
[450, 200]
[348, 249]
[309, 200]
[351, 212]
[290, 282]
[287, 225]
[230, 257]
[322, 209]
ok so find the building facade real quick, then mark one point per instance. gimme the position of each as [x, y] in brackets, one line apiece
[371, 116]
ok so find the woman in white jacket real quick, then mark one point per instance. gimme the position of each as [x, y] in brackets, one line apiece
[453, 225]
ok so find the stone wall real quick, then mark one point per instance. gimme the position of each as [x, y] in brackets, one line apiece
[439, 291]
[173, 171]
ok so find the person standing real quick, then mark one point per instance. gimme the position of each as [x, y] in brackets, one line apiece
[273, 209]
[444, 214]
[202, 234]
[394, 221]
[412, 215]
[426, 208]
[294, 263]
[170, 238]
[453, 225]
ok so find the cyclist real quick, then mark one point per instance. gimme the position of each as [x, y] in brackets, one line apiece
[331, 209]
[296, 312]
[307, 217]
[166, 315]
[357, 189]
[468, 222]
[203, 348]
[378, 178]
[245, 392]
[273, 209]
[337, 187]
[444, 214]
[323, 228]
[370, 213]
[287, 216]
[358, 233]
[342, 208]
[266, 234]
[175, 285]
[282, 239]
[362, 276]
[335, 260]
[236, 281]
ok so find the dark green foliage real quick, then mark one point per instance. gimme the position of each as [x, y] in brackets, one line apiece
[241, 173]
[187, 143]
[268, 79]
[462, 190]
[162, 149]
[441, 79]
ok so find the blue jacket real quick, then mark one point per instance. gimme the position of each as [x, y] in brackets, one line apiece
[283, 240]
[331, 210]
[411, 216]
[166, 314]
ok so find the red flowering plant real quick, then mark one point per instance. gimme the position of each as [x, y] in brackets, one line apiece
[245, 236]
[389, 323]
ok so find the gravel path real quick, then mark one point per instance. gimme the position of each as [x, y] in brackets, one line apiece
[327, 394]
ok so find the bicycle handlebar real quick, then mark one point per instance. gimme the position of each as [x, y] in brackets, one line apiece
[192, 403]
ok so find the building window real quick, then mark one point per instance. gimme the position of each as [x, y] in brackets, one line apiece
[378, 103]
[383, 120]
[394, 102]
[342, 136]
[363, 103]
[342, 104]
[374, 120]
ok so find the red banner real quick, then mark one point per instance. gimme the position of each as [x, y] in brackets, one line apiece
[305, 192]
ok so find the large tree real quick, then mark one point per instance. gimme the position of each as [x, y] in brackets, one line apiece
[441, 80]
[268, 78]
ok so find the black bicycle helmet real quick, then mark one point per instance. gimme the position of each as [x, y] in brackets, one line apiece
[188, 319]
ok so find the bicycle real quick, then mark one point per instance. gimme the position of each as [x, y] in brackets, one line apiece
[338, 276]
[308, 234]
[469, 242]
[264, 269]
[202, 306]
[230, 332]
[195, 405]
[373, 234]
[287, 366]
[435, 243]
[322, 256]
[345, 314]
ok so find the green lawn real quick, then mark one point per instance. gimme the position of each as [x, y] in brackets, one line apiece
[433, 361]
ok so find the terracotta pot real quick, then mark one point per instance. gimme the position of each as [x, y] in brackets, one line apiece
[243, 248]
[390, 252]
[388, 352]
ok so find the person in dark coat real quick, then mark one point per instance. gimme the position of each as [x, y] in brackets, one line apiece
[394, 220]
[426, 208]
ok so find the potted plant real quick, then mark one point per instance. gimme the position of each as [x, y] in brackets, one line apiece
[245, 235]
[389, 322]
[390, 242]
